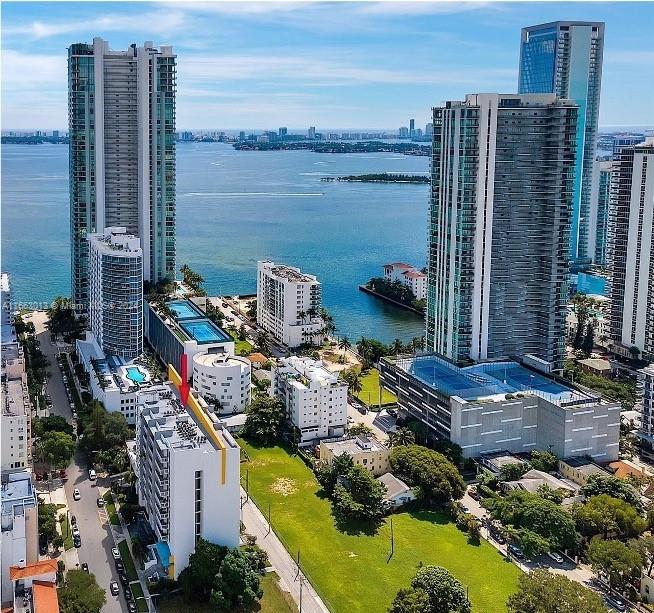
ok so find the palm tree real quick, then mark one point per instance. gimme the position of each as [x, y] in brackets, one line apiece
[354, 383]
[302, 315]
[263, 342]
[396, 346]
[402, 436]
[139, 549]
[344, 344]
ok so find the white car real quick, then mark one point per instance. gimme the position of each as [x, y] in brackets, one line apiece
[115, 552]
[557, 557]
[76, 494]
[76, 531]
[92, 475]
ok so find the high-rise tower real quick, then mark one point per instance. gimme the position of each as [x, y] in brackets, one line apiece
[121, 107]
[565, 58]
[501, 190]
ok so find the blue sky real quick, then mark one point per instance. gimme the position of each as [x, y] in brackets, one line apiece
[332, 65]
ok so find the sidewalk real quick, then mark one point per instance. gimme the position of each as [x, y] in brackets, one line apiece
[296, 584]
[58, 496]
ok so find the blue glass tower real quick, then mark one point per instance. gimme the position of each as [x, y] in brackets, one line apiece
[565, 58]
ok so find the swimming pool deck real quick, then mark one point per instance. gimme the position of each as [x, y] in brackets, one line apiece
[192, 321]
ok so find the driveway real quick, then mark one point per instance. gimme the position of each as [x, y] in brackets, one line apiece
[380, 423]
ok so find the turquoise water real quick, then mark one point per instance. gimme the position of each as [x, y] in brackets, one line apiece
[203, 331]
[182, 309]
[134, 374]
[233, 208]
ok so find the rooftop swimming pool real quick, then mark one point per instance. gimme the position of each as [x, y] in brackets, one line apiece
[183, 309]
[485, 379]
[204, 331]
[135, 374]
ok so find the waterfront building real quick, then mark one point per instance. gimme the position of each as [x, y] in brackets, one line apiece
[288, 304]
[187, 471]
[315, 398]
[565, 58]
[20, 536]
[412, 127]
[182, 328]
[121, 112]
[115, 269]
[7, 331]
[113, 380]
[365, 451]
[409, 275]
[599, 212]
[647, 420]
[403, 132]
[223, 380]
[312, 133]
[429, 129]
[501, 194]
[630, 250]
[55, 133]
[495, 406]
[283, 133]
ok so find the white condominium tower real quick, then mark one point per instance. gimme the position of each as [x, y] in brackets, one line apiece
[121, 114]
[630, 250]
[116, 292]
[315, 399]
[501, 194]
[188, 481]
[565, 58]
[288, 303]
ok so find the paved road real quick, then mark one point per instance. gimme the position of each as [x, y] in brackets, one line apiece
[96, 537]
[285, 566]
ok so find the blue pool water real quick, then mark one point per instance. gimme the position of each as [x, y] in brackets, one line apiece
[182, 309]
[203, 331]
[135, 374]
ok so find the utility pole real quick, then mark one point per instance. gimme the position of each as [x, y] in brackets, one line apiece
[247, 484]
[268, 520]
[392, 538]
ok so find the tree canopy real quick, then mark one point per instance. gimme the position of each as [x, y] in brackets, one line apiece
[613, 486]
[532, 514]
[619, 561]
[55, 449]
[607, 516]
[544, 461]
[265, 420]
[51, 423]
[410, 600]
[196, 580]
[80, 593]
[237, 585]
[541, 591]
[437, 478]
[445, 593]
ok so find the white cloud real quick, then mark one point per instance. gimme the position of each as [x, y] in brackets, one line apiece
[426, 7]
[23, 70]
[160, 22]
[630, 57]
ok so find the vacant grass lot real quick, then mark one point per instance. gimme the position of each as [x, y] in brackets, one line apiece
[369, 393]
[240, 347]
[353, 572]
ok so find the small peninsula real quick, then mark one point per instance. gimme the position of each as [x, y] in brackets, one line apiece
[338, 147]
[381, 177]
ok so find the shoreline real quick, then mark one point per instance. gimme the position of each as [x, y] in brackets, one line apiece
[406, 307]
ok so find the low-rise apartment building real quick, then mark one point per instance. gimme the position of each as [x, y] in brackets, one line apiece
[288, 304]
[495, 406]
[409, 275]
[188, 472]
[223, 380]
[16, 420]
[315, 398]
[365, 451]
[19, 527]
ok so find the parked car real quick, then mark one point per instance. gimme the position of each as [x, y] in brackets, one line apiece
[499, 538]
[92, 475]
[76, 531]
[76, 494]
[115, 552]
[517, 552]
[100, 502]
[131, 606]
[85, 567]
[392, 412]
[128, 593]
[473, 493]
[62, 474]
[113, 587]
[77, 541]
[73, 520]
[119, 564]
[616, 603]
[122, 576]
[557, 557]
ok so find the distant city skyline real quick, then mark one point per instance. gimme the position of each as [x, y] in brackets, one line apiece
[277, 64]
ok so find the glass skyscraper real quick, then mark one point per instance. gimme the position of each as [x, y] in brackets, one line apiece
[565, 58]
[121, 107]
[501, 191]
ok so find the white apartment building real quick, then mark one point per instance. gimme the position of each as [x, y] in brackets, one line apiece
[408, 275]
[16, 419]
[630, 249]
[223, 379]
[288, 304]
[316, 400]
[647, 420]
[116, 292]
[19, 526]
[188, 476]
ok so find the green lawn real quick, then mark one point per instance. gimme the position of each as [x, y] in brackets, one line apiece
[369, 393]
[353, 572]
[66, 532]
[111, 509]
[141, 603]
[128, 561]
[240, 347]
